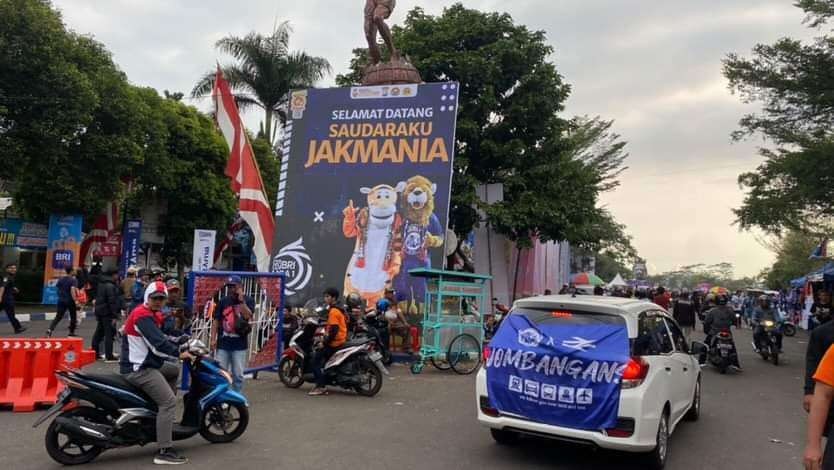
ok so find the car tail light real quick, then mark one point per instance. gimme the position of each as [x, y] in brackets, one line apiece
[487, 409]
[623, 428]
[635, 372]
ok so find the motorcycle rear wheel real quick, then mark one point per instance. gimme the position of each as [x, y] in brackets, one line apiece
[230, 419]
[373, 378]
[59, 449]
[290, 373]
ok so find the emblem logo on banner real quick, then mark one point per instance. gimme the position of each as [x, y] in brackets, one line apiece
[295, 263]
[561, 374]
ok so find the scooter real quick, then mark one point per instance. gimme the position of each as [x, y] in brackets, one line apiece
[354, 366]
[770, 350]
[375, 326]
[97, 412]
[722, 352]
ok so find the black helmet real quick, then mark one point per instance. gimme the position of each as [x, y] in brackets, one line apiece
[353, 300]
[721, 299]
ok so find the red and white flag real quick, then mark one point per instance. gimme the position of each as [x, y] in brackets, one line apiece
[103, 227]
[236, 226]
[243, 170]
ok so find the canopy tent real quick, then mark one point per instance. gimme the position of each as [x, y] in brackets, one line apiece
[799, 282]
[618, 282]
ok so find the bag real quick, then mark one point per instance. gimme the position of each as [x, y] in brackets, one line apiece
[81, 297]
[242, 326]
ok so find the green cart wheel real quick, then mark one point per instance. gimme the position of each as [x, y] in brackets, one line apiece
[416, 367]
[440, 364]
[464, 354]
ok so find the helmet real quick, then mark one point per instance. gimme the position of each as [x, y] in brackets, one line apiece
[721, 299]
[764, 299]
[353, 300]
[143, 272]
[155, 289]
[383, 305]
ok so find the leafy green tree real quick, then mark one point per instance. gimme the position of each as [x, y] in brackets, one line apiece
[792, 79]
[184, 170]
[509, 129]
[265, 73]
[269, 165]
[66, 112]
[792, 259]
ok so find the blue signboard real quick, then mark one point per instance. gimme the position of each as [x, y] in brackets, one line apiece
[63, 245]
[9, 231]
[564, 375]
[364, 190]
[130, 245]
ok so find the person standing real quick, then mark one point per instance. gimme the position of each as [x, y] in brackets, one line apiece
[822, 338]
[67, 288]
[661, 298]
[684, 313]
[7, 294]
[108, 308]
[127, 285]
[230, 330]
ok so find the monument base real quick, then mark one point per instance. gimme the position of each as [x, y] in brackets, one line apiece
[393, 72]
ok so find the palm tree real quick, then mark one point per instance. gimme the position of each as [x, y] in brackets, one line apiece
[265, 73]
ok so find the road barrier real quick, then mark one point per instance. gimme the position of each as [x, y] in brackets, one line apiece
[28, 365]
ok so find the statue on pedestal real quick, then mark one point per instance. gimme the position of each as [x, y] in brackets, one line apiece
[395, 71]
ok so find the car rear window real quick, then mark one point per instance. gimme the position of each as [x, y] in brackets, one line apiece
[560, 316]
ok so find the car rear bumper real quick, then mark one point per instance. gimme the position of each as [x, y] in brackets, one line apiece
[643, 438]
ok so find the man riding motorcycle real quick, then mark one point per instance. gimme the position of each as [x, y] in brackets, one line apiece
[144, 363]
[336, 332]
[721, 317]
[764, 312]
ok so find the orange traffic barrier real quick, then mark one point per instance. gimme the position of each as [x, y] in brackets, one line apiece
[28, 365]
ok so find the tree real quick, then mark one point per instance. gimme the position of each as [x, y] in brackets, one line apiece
[793, 80]
[265, 73]
[66, 111]
[509, 129]
[183, 170]
[269, 166]
[792, 259]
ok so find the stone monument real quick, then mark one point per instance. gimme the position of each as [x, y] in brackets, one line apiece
[397, 70]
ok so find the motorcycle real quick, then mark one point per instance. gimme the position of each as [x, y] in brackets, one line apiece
[97, 412]
[354, 366]
[770, 350]
[375, 326]
[722, 352]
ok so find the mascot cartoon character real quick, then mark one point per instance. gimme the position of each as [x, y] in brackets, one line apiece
[421, 231]
[376, 256]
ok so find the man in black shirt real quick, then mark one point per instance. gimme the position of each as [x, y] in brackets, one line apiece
[822, 338]
[67, 294]
[7, 293]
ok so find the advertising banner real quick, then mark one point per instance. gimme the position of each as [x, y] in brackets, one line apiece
[130, 245]
[63, 245]
[9, 231]
[20, 234]
[203, 255]
[561, 374]
[364, 192]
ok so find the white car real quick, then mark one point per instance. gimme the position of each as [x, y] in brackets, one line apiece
[661, 384]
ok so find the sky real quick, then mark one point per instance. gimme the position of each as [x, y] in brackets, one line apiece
[652, 66]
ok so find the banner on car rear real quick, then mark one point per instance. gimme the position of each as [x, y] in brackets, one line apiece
[563, 375]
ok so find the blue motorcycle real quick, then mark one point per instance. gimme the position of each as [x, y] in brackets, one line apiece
[96, 412]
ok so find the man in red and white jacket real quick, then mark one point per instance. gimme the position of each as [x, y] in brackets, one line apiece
[145, 349]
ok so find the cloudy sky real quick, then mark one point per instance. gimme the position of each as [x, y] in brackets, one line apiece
[653, 66]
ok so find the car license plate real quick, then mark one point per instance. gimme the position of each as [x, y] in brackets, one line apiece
[375, 356]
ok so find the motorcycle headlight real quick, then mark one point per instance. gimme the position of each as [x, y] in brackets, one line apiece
[226, 375]
[768, 323]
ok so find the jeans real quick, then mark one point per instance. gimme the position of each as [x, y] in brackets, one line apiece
[161, 385]
[9, 309]
[320, 359]
[63, 308]
[106, 330]
[234, 362]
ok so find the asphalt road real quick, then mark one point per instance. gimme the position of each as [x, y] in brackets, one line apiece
[752, 420]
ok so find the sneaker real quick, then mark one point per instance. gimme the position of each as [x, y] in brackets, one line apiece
[317, 392]
[169, 456]
[48, 333]
[110, 360]
[20, 330]
[73, 335]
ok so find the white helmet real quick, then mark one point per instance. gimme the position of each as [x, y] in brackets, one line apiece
[155, 288]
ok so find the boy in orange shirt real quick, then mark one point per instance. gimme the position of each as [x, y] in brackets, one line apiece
[335, 336]
[815, 459]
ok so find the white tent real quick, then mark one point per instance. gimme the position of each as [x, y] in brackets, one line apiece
[618, 282]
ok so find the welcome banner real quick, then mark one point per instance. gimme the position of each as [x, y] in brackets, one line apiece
[364, 192]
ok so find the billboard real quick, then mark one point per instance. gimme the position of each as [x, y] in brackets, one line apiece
[63, 245]
[365, 186]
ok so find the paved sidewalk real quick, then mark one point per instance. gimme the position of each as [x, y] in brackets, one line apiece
[37, 312]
